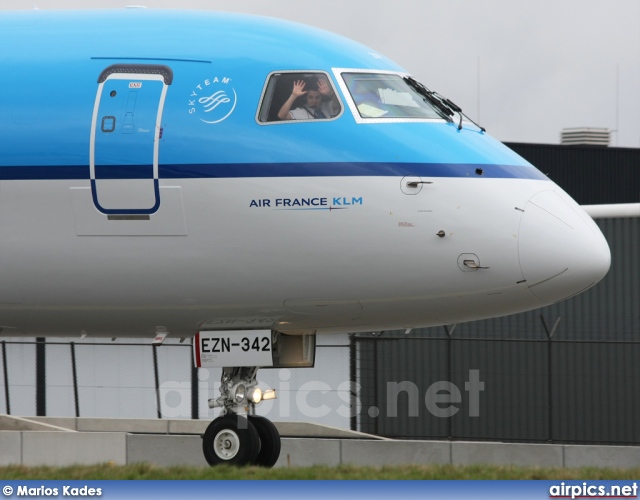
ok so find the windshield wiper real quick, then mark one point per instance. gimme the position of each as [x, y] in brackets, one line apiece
[443, 105]
[430, 98]
[458, 110]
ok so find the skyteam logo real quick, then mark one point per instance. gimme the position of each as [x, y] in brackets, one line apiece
[213, 100]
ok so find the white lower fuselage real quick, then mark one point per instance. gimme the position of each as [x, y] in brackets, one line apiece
[208, 259]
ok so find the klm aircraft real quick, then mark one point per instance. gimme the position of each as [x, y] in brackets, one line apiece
[253, 183]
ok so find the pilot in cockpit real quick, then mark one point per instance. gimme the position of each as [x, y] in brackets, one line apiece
[320, 103]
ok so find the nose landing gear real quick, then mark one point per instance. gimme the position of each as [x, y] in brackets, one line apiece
[237, 438]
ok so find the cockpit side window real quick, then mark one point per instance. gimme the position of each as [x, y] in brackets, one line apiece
[387, 96]
[299, 96]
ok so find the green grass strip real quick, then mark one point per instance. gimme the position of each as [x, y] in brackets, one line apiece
[146, 471]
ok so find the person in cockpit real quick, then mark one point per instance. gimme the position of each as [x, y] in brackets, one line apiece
[315, 107]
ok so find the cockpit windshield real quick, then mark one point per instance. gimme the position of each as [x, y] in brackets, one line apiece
[385, 95]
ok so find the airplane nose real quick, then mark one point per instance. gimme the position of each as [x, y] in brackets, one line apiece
[562, 251]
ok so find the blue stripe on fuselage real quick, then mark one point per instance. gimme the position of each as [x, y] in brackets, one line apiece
[243, 170]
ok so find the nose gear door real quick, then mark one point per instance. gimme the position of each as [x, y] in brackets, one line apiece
[125, 135]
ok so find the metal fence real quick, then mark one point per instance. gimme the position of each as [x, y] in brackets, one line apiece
[408, 387]
[508, 390]
[128, 379]
[90, 379]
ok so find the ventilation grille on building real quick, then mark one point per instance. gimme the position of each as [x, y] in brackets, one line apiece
[589, 136]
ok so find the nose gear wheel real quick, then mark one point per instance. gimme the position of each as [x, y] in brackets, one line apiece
[230, 439]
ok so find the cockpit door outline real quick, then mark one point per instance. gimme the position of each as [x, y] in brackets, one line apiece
[125, 138]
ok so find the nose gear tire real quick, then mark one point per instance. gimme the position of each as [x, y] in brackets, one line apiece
[230, 439]
[269, 441]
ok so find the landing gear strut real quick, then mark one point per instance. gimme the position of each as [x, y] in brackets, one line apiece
[235, 437]
[238, 436]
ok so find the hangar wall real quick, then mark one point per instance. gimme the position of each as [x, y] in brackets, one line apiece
[592, 175]
[564, 373]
